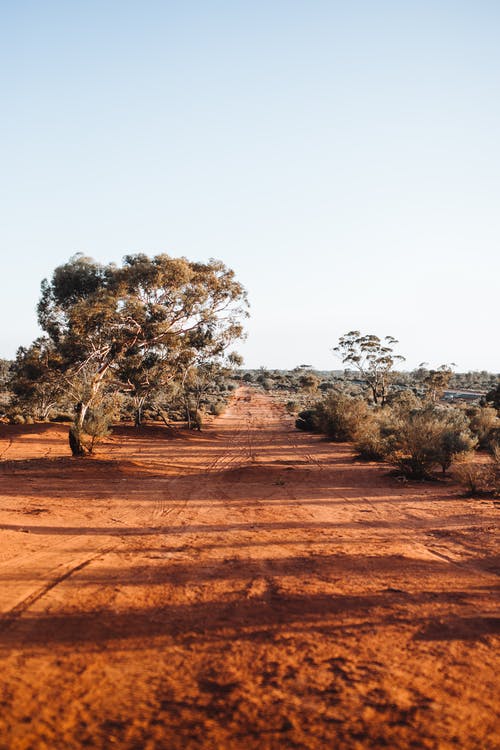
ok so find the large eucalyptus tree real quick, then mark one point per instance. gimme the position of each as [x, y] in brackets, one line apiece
[157, 311]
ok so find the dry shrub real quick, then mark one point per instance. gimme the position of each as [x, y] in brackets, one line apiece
[484, 424]
[480, 478]
[340, 416]
[217, 408]
[306, 420]
[16, 418]
[429, 437]
[373, 436]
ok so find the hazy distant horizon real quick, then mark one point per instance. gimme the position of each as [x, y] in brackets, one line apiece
[342, 158]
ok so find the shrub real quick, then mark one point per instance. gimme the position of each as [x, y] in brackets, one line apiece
[195, 420]
[97, 425]
[340, 416]
[217, 408]
[98, 420]
[485, 425]
[403, 402]
[307, 420]
[63, 417]
[374, 436]
[480, 478]
[428, 437]
[16, 418]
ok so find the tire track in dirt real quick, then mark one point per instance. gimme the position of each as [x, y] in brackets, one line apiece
[7, 619]
[249, 604]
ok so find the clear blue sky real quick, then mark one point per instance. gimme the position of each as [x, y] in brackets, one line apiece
[342, 157]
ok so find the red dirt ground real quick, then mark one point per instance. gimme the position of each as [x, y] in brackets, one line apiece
[244, 587]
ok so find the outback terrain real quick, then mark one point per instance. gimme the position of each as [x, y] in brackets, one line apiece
[248, 586]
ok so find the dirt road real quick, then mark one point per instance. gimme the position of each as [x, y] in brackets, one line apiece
[244, 587]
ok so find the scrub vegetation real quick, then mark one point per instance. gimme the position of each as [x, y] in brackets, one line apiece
[422, 423]
[151, 339]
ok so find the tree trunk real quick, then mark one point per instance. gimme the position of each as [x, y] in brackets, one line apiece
[76, 431]
[139, 402]
[75, 442]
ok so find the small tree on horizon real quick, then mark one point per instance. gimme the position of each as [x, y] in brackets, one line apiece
[437, 381]
[374, 359]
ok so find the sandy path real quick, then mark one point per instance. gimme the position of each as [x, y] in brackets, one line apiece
[246, 587]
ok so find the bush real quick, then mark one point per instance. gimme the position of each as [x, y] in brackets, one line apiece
[373, 437]
[195, 421]
[485, 425]
[97, 425]
[63, 417]
[403, 402]
[307, 420]
[98, 420]
[16, 419]
[340, 416]
[480, 479]
[429, 437]
[217, 408]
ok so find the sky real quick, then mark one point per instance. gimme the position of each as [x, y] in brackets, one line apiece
[342, 157]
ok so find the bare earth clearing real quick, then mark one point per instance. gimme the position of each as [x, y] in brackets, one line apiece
[244, 587]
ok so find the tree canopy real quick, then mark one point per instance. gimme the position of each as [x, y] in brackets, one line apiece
[373, 357]
[160, 312]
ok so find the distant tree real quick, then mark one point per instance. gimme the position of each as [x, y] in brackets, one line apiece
[35, 378]
[202, 380]
[373, 357]
[95, 315]
[436, 382]
[146, 375]
[309, 382]
[5, 386]
[493, 396]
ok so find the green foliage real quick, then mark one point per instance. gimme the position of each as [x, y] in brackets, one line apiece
[493, 396]
[373, 439]
[5, 388]
[17, 418]
[97, 424]
[217, 408]
[339, 415]
[403, 402]
[35, 379]
[429, 437]
[480, 478]
[485, 425]
[373, 357]
[435, 382]
[136, 326]
[309, 382]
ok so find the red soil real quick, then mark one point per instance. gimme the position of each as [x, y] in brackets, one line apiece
[244, 587]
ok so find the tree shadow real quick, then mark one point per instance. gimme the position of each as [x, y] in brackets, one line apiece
[459, 628]
[257, 618]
